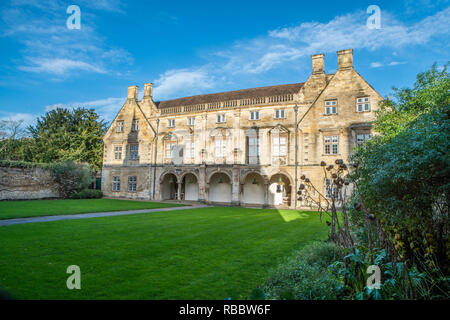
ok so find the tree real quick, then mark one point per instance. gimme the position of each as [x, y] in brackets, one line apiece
[64, 134]
[403, 173]
[14, 143]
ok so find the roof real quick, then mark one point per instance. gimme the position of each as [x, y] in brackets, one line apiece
[232, 95]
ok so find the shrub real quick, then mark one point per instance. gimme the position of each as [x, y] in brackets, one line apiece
[72, 177]
[88, 194]
[304, 275]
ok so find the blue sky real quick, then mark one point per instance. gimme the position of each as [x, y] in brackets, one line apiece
[193, 47]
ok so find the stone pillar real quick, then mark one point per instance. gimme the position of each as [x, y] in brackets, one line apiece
[179, 191]
[202, 192]
[266, 194]
[235, 186]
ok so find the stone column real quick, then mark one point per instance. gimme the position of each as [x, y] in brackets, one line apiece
[202, 192]
[266, 194]
[235, 186]
[179, 191]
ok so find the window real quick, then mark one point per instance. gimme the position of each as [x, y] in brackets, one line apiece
[363, 104]
[279, 146]
[279, 114]
[254, 115]
[331, 107]
[120, 126]
[118, 152]
[170, 146]
[221, 118]
[220, 147]
[331, 192]
[362, 138]
[134, 152]
[253, 150]
[331, 144]
[116, 183]
[132, 182]
[190, 149]
[135, 125]
[191, 121]
[171, 123]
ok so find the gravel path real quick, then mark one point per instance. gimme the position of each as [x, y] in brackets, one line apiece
[9, 222]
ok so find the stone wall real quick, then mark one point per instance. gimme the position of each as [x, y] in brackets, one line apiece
[26, 183]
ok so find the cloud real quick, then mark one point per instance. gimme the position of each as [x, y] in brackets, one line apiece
[390, 64]
[287, 44]
[107, 108]
[376, 65]
[183, 81]
[28, 118]
[59, 66]
[284, 49]
[50, 47]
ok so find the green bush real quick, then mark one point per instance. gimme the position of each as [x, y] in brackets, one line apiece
[88, 194]
[72, 177]
[304, 275]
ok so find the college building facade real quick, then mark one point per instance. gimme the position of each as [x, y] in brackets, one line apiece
[247, 147]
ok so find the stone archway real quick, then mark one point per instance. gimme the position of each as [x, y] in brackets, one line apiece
[280, 189]
[220, 188]
[253, 189]
[168, 187]
[189, 187]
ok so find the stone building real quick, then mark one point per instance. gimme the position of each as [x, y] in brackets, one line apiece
[238, 147]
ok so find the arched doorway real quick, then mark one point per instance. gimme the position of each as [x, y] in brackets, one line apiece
[220, 188]
[189, 187]
[253, 189]
[168, 189]
[279, 190]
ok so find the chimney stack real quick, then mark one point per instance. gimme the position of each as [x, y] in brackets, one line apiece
[318, 65]
[345, 59]
[148, 90]
[133, 92]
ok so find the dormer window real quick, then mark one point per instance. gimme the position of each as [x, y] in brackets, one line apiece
[171, 123]
[254, 115]
[363, 104]
[331, 107]
[135, 125]
[119, 124]
[221, 118]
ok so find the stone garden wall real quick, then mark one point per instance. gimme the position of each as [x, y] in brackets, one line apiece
[26, 183]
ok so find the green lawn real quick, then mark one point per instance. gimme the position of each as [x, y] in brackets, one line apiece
[34, 208]
[208, 253]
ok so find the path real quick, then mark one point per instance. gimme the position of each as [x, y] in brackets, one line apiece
[9, 222]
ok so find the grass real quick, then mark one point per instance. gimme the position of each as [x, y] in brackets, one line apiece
[35, 208]
[208, 253]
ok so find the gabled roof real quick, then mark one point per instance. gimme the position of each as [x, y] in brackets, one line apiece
[232, 95]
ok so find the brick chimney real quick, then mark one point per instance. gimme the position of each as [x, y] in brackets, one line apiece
[318, 65]
[133, 92]
[345, 59]
[148, 90]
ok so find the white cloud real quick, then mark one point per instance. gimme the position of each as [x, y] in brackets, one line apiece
[28, 118]
[284, 45]
[390, 64]
[50, 47]
[183, 81]
[376, 65]
[107, 108]
[59, 66]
